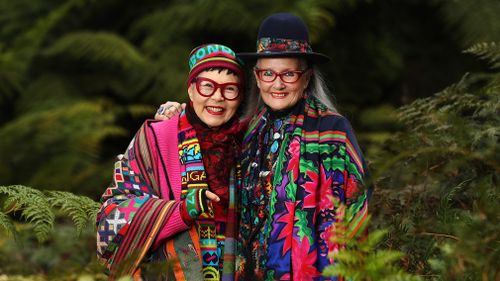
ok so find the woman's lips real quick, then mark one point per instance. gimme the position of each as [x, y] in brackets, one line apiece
[215, 110]
[279, 95]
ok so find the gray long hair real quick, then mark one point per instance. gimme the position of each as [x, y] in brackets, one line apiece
[316, 88]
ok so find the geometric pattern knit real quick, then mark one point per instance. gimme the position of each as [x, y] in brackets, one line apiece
[195, 203]
[136, 211]
[293, 167]
[132, 212]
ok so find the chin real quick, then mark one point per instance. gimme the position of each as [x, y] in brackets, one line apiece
[278, 107]
[213, 123]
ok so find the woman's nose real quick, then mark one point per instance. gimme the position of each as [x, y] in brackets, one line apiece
[278, 84]
[218, 94]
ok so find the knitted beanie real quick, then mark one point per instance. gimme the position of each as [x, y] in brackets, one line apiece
[213, 55]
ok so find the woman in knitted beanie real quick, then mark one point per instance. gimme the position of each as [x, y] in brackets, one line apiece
[173, 190]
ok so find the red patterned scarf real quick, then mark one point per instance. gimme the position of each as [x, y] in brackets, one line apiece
[219, 148]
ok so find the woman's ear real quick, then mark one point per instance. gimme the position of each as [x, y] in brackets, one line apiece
[308, 75]
[191, 92]
[257, 81]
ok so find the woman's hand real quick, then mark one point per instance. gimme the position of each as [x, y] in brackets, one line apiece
[196, 203]
[168, 110]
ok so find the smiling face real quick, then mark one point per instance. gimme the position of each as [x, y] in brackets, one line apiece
[279, 95]
[215, 110]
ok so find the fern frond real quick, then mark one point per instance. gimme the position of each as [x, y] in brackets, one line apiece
[80, 209]
[37, 208]
[359, 259]
[7, 224]
[184, 17]
[117, 64]
[381, 258]
[96, 49]
[488, 51]
[33, 206]
[69, 148]
[28, 43]
[373, 239]
[49, 91]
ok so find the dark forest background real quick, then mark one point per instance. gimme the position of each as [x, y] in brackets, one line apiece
[419, 81]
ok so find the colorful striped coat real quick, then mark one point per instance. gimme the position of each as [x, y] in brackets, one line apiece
[297, 168]
[140, 223]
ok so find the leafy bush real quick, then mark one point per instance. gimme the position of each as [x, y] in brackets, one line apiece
[437, 181]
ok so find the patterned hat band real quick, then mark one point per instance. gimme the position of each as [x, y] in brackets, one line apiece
[275, 45]
[209, 56]
[210, 50]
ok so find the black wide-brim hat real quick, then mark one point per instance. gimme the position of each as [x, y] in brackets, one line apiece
[283, 35]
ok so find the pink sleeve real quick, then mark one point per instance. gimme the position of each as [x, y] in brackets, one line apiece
[169, 174]
[174, 225]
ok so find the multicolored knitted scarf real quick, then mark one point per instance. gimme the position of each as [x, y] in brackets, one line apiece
[194, 176]
[293, 166]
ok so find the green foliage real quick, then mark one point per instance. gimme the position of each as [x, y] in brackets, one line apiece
[57, 55]
[7, 224]
[64, 256]
[28, 41]
[475, 20]
[99, 53]
[489, 51]
[78, 77]
[68, 139]
[376, 126]
[360, 258]
[33, 206]
[78, 208]
[437, 180]
[39, 209]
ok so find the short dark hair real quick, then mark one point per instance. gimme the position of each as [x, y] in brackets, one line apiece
[220, 69]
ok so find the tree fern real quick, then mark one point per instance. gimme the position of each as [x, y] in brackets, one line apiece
[100, 53]
[30, 41]
[69, 139]
[38, 209]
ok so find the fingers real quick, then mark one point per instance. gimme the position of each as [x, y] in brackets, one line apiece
[212, 196]
[161, 117]
[172, 107]
[168, 110]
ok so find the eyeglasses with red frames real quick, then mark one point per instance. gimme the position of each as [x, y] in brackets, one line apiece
[207, 87]
[289, 76]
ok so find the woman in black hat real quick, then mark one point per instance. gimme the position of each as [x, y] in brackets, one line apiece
[301, 165]
[302, 169]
